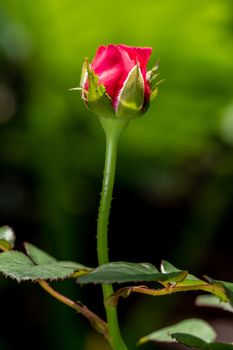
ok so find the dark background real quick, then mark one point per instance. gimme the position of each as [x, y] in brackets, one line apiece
[173, 197]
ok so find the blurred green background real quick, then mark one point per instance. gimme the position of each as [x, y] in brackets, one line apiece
[174, 195]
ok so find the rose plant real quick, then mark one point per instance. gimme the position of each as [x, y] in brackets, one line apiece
[117, 87]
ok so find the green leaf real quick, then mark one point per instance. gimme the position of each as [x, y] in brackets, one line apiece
[7, 238]
[213, 301]
[191, 282]
[191, 327]
[218, 346]
[37, 255]
[195, 342]
[174, 278]
[131, 96]
[98, 101]
[121, 272]
[167, 267]
[18, 266]
[189, 340]
[227, 286]
[15, 264]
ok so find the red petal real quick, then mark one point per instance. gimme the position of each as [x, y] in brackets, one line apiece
[113, 63]
[140, 55]
[108, 65]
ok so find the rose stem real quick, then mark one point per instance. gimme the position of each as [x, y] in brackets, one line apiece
[113, 129]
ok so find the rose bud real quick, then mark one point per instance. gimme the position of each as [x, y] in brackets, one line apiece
[116, 84]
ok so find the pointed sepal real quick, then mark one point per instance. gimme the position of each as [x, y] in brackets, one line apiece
[153, 81]
[131, 97]
[97, 99]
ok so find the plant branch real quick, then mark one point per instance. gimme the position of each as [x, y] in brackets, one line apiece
[210, 288]
[95, 320]
[3, 248]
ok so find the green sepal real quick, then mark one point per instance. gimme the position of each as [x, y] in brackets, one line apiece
[131, 97]
[154, 93]
[152, 79]
[82, 81]
[7, 238]
[151, 75]
[97, 99]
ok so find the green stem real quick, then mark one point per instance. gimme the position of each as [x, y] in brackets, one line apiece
[113, 129]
